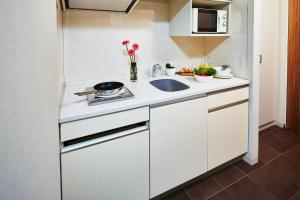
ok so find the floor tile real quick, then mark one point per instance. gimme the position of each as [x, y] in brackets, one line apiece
[247, 168]
[276, 142]
[287, 167]
[276, 176]
[203, 189]
[246, 189]
[267, 153]
[268, 130]
[221, 196]
[295, 196]
[180, 195]
[274, 182]
[286, 136]
[228, 175]
[294, 154]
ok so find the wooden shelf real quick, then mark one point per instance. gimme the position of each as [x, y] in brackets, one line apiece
[210, 3]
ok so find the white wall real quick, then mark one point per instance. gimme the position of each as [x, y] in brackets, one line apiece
[92, 42]
[29, 148]
[253, 75]
[60, 38]
[232, 50]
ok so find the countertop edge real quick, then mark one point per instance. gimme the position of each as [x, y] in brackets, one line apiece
[149, 103]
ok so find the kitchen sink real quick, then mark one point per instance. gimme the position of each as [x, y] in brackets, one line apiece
[169, 85]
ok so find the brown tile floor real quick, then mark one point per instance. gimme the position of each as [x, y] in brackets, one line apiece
[275, 177]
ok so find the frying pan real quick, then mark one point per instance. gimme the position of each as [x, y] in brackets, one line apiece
[105, 88]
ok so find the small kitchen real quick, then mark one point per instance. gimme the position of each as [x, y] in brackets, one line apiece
[142, 132]
[124, 99]
[149, 100]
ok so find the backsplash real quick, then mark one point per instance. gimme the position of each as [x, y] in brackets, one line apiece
[93, 49]
[234, 49]
[93, 42]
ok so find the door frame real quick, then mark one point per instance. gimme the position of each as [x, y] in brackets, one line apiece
[283, 61]
[253, 75]
[254, 8]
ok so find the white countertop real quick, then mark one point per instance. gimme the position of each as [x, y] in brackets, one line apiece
[75, 108]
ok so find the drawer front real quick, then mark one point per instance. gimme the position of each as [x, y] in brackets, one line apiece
[114, 170]
[229, 97]
[80, 128]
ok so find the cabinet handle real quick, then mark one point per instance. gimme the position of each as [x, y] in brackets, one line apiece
[103, 139]
[178, 100]
[227, 106]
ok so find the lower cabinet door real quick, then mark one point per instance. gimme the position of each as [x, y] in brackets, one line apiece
[178, 144]
[227, 134]
[114, 170]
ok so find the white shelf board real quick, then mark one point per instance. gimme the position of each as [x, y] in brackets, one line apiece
[210, 35]
[210, 3]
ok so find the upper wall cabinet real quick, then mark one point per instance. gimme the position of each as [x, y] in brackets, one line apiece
[100, 5]
[199, 17]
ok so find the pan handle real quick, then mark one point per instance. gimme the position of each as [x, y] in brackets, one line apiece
[85, 93]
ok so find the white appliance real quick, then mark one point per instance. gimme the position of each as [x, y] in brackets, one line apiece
[105, 5]
[209, 20]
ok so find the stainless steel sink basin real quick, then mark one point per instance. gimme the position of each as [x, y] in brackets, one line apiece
[169, 85]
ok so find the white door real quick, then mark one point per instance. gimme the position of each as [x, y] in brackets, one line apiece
[270, 44]
[113, 170]
[178, 144]
[227, 134]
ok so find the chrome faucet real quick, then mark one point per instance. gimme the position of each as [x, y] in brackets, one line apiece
[155, 69]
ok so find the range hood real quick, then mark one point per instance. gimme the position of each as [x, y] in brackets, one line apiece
[101, 5]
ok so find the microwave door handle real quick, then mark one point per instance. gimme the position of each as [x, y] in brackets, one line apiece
[219, 21]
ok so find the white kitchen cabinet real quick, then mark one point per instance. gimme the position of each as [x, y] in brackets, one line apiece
[227, 127]
[181, 16]
[112, 170]
[226, 98]
[178, 144]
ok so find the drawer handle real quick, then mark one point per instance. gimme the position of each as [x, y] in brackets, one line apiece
[178, 100]
[227, 106]
[103, 139]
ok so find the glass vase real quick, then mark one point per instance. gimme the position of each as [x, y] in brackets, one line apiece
[133, 72]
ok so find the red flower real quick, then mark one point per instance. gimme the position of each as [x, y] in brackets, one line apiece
[131, 52]
[135, 46]
[125, 42]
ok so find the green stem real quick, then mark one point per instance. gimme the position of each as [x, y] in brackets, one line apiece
[128, 53]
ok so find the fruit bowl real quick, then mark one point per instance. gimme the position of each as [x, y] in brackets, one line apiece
[203, 79]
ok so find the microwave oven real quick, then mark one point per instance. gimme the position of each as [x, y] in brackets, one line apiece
[209, 20]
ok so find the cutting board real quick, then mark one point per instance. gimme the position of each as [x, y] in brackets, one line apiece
[185, 73]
